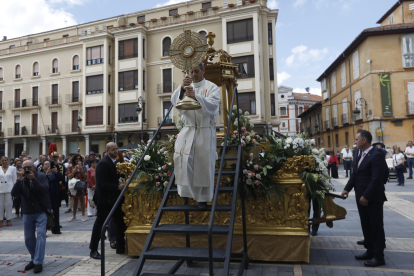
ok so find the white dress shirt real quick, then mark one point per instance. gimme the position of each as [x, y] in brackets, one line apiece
[8, 179]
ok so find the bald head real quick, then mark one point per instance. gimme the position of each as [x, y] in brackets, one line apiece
[112, 150]
[29, 165]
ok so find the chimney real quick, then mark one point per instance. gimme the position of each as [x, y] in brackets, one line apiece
[4, 38]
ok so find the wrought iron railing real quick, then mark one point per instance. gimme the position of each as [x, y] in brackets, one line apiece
[344, 119]
[168, 121]
[327, 125]
[71, 128]
[70, 98]
[335, 121]
[52, 129]
[53, 101]
[24, 103]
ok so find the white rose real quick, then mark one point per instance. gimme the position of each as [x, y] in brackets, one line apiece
[159, 168]
[234, 107]
[252, 125]
[258, 176]
[289, 140]
[315, 151]
[246, 113]
[169, 164]
[147, 158]
[244, 171]
[325, 163]
[248, 138]
[321, 150]
[249, 182]
[165, 183]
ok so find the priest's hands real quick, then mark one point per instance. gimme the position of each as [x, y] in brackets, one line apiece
[186, 81]
[190, 93]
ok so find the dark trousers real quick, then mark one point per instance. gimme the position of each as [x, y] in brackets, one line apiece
[101, 215]
[55, 201]
[348, 167]
[400, 173]
[16, 203]
[334, 170]
[372, 222]
[112, 230]
[316, 214]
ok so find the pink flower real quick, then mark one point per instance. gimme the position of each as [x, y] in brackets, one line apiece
[254, 141]
[249, 171]
[234, 135]
[253, 174]
[235, 132]
[256, 167]
[247, 142]
[257, 182]
[243, 129]
[157, 184]
[164, 167]
[243, 137]
[169, 173]
[157, 177]
[248, 158]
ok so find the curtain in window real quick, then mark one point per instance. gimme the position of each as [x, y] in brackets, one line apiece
[76, 60]
[94, 84]
[128, 80]
[18, 70]
[36, 67]
[96, 52]
[55, 63]
[166, 44]
[88, 53]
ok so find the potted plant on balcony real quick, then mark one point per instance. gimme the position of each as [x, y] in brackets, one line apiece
[203, 9]
[190, 12]
[141, 22]
[215, 8]
[131, 24]
[252, 1]
[231, 5]
[154, 20]
[163, 18]
[176, 15]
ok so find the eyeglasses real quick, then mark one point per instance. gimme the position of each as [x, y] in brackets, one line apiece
[78, 158]
[27, 168]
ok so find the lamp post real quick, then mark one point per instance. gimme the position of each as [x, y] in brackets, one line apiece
[359, 102]
[79, 122]
[138, 110]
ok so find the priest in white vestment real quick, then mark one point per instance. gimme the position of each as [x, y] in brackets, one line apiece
[195, 149]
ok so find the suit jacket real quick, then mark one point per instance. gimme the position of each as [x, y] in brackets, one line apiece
[368, 179]
[106, 181]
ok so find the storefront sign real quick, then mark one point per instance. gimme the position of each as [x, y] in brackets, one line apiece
[385, 86]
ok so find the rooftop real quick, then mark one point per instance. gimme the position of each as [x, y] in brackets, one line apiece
[307, 97]
[393, 8]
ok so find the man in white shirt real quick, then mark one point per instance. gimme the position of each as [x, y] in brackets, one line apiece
[409, 152]
[347, 157]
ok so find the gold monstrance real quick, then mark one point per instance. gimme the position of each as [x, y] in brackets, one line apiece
[187, 51]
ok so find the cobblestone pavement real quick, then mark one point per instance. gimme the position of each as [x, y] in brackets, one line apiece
[332, 251]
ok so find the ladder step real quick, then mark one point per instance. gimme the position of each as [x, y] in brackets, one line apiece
[226, 173]
[186, 253]
[194, 208]
[191, 229]
[228, 146]
[227, 158]
[227, 189]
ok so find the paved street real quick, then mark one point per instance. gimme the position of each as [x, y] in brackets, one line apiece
[332, 251]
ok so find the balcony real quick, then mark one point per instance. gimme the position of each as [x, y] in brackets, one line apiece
[165, 89]
[168, 121]
[327, 126]
[72, 100]
[309, 131]
[133, 119]
[72, 128]
[335, 121]
[23, 131]
[52, 129]
[53, 102]
[344, 119]
[410, 108]
[30, 103]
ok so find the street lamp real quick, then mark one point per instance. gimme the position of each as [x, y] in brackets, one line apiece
[138, 111]
[359, 102]
[79, 122]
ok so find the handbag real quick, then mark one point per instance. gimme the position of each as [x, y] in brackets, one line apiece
[80, 185]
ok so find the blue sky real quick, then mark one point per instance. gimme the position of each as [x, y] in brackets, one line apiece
[310, 34]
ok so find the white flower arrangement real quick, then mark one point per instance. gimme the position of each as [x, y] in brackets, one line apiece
[147, 158]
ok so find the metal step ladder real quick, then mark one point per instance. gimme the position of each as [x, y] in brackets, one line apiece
[189, 254]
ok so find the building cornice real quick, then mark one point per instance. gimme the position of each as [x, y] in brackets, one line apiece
[40, 50]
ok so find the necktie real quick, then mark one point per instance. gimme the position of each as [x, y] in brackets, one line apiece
[362, 158]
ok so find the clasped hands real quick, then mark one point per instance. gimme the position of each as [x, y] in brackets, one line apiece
[363, 201]
[190, 91]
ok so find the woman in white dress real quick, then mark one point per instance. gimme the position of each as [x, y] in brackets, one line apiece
[8, 177]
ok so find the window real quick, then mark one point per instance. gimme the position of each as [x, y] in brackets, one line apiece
[66, 35]
[55, 66]
[167, 81]
[270, 33]
[141, 18]
[109, 115]
[46, 39]
[246, 66]
[55, 94]
[206, 5]
[203, 34]
[54, 122]
[17, 98]
[109, 84]
[272, 105]
[75, 92]
[18, 72]
[128, 48]
[143, 79]
[391, 19]
[169, 120]
[247, 102]
[36, 69]
[94, 115]
[343, 75]
[94, 84]
[34, 124]
[128, 80]
[35, 96]
[301, 110]
[75, 114]
[166, 44]
[398, 123]
[127, 113]
[109, 54]
[239, 31]
[329, 141]
[143, 48]
[333, 81]
[1, 74]
[174, 11]
[283, 111]
[76, 62]
[12, 46]
[94, 55]
[327, 117]
[16, 125]
[271, 70]
[355, 65]
[408, 51]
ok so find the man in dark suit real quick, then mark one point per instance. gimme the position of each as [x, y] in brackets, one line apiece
[107, 192]
[368, 181]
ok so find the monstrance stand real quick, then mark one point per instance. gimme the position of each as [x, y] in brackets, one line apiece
[187, 51]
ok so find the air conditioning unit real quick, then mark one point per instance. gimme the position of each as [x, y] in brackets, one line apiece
[24, 103]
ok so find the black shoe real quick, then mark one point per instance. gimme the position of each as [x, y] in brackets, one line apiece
[202, 205]
[31, 265]
[37, 269]
[57, 233]
[113, 245]
[399, 184]
[95, 255]
[365, 256]
[68, 211]
[361, 242]
[374, 263]
[314, 233]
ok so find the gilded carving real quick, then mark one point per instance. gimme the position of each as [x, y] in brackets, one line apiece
[293, 166]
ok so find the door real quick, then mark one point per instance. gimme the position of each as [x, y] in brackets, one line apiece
[74, 125]
[35, 98]
[55, 95]
[169, 120]
[17, 98]
[18, 148]
[54, 122]
[34, 124]
[166, 81]
[16, 125]
[410, 88]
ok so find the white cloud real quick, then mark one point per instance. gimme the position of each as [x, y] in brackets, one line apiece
[301, 55]
[69, 2]
[19, 18]
[170, 2]
[281, 77]
[299, 3]
[312, 90]
[272, 4]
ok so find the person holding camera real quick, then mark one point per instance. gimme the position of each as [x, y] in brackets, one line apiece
[33, 188]
[78, 172]
[54, 177]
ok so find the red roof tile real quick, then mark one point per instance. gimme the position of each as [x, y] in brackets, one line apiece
[307, 97]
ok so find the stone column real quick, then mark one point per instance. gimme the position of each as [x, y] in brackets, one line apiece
[64, 145]
[86, 144]
[44, 145]
[6, 147]
[151, 134]
[116, 138]
[24, 144]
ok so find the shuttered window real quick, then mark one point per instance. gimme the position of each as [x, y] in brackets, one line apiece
[17, 98]
[109, 115]
[143, 48]
[18, 72]
[167, 81]
[36, 69]
[74, 125]
[343, 75]
[55, 94]
[272, 105]
[35, 96]
[239, 31]
[247, 102]
[141, 18]
[128, 80]
[270, 33]
[34, 124]
[333, 81]
[94, 115]
[166, 44]
[1, 101]
[246, 66]
[127, 113]
[174, 11]
[94, 55]
[94, 84]
[1, 74]
[76, 63]
[271, 70]
[128, 48]
[355, 65]
[206, 5]
[75, 91]
[54, 122]
[55, 65]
